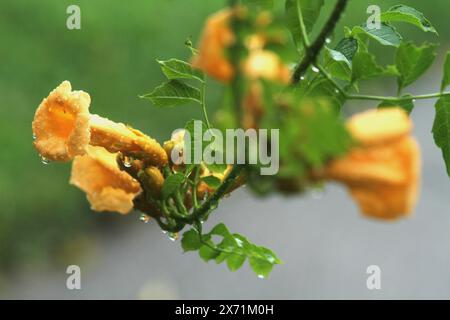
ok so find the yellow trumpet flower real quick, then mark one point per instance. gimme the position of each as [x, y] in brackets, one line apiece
[63, 128]
[107, 187]
[383, 171]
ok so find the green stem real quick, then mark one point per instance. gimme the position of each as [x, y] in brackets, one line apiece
[194, 187]
[305, 38]
[313, 51]
[389, 98]
[330, 78]
[205, 114]
[374, 97]
[212, 202]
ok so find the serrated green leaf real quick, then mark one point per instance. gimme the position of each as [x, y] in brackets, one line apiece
[348, 47]
[441, 129]
[196, 141]
[446, 78]
[260, 4]
[294, 10]
[212, 181]
[235, 261]
[220, 230]
[407, 104]
[402, 13]
[321, 87]
[261, 267]
[386, 35]
[173, 93]
[337, 64]
[365, 66]
[217, 167]
[191, 240]
[178, 69]
[412, 61]
[207, 253]
[171, 184]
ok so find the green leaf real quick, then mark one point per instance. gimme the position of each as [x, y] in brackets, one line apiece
[173, 93]
[260, 4]
[321, 87]
[196, 137]
[207, 253]
[337, 64]
[412, 61]
[407, 105]
[309, 10]
[171, 184]
[235, 261]
[178, 69]
[348, 47]
[212, 181]
[261, 267]
[365, 66]
[402, 13]
[386, 35]
[217, 167]
[441, 128]
[446, 77]
[220, 230]
[191, 240]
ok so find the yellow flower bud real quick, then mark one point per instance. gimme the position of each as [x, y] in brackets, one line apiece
[383, 171]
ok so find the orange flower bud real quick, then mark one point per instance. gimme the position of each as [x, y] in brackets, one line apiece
[383, 171]
[107, 187]
[217, 37]
[63, 128]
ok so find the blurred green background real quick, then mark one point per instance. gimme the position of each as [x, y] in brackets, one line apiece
[112, 57]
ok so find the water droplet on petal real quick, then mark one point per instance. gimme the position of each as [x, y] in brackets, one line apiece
[44, 160]
[173, 236]
[314, 69]
[127, 164]
[144, 218]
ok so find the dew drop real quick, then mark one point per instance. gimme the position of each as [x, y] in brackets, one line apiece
[261, 276]
[314, 69]
[44, 160]
[336, 90]
[173, 236]
[302, 78]
[127, 164]
[327, 40]
[144, 218]
[413, 100]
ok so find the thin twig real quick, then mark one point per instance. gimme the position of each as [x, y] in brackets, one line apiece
[313, 51]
